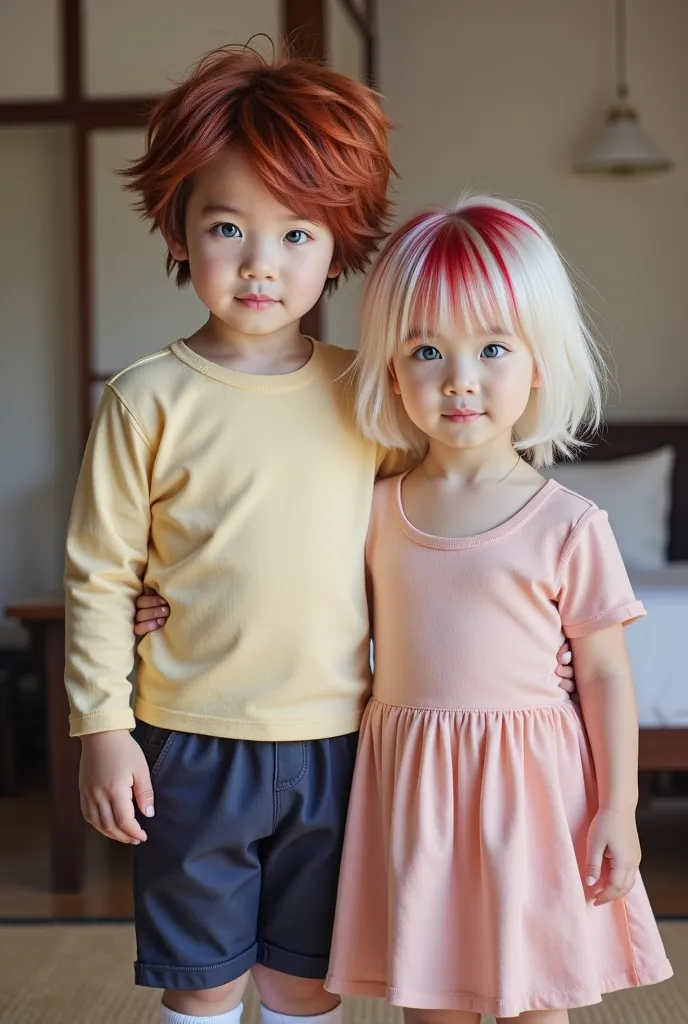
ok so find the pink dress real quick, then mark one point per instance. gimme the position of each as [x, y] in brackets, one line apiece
[462, 876]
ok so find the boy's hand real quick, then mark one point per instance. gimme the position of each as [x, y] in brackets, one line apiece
[613, 855]
[564, 668]
[151, 612]
[113, 767]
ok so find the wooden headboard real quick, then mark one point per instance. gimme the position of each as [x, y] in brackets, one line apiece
[619, 439]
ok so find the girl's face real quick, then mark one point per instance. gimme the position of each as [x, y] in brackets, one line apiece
[465, 388]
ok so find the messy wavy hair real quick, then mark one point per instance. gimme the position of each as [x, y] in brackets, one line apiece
[316, 139]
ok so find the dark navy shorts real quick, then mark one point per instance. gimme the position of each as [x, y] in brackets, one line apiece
[242, 858]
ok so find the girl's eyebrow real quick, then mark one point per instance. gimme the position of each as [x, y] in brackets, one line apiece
[416, 333]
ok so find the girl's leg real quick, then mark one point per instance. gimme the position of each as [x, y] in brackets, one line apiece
[440, 1017]
[538, 1017]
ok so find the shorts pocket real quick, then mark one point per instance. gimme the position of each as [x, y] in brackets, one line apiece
[155, 744]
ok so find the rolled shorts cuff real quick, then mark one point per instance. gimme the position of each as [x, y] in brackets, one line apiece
[196, 978]
[295, 964]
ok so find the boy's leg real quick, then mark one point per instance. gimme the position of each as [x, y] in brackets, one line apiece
[197, 879]
[300, 876]
[223, 1002]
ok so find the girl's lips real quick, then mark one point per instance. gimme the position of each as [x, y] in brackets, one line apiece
[466, 416]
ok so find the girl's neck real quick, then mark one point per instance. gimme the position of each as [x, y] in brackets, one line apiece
[466, 493]
[489, 463]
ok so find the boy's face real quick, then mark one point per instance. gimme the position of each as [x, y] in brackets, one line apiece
[255, 264]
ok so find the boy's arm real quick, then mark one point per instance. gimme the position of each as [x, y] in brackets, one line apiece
[107, 550]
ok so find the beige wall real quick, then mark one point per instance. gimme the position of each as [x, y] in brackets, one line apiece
[499, 94]
[502, 95]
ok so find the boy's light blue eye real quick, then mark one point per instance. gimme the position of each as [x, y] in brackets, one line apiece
[426, 353]
[296, 237]
[227, 230]
[493, 351]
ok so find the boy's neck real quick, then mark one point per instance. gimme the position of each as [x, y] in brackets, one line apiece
[281, 352]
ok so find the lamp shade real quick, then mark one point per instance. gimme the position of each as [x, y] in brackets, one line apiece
[623, 147]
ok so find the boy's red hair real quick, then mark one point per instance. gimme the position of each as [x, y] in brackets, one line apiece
[316, 138]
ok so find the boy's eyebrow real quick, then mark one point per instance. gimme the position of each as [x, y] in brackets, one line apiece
[221, 208]
[216, 208]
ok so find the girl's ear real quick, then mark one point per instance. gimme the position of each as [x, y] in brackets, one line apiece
[536, 380]
[176, 249]
[393, 377]
[335, 269]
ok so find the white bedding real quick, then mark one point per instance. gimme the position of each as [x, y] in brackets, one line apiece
[658, 646]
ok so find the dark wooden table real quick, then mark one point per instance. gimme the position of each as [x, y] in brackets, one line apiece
[44, 620]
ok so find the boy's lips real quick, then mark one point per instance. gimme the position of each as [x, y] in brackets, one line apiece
[254, 301]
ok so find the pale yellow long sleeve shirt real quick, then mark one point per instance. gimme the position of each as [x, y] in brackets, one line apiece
[244, 500]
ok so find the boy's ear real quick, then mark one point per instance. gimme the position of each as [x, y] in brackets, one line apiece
[176, 248]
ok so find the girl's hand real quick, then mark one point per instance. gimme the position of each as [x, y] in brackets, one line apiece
[151, 612]
[613, 855]
[564, 669]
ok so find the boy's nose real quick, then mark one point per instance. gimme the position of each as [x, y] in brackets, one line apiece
[258, 266]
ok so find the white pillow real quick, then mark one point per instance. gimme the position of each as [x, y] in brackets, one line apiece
[635, 491]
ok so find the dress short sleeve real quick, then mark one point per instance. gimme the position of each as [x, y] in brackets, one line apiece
[594, 591]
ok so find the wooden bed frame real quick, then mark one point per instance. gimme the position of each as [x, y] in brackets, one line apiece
[659, 748]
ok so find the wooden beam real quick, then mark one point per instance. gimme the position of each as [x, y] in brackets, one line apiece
[72, 52]
[365, 21]
[99, 115]
[38, 112]
[84, 275]
[303, 26]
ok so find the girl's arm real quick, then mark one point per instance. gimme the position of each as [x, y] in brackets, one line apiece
[607, 698]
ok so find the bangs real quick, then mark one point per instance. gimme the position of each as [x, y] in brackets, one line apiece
[463, 270]
[486, 265]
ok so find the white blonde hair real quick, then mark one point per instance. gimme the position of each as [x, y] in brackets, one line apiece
[487, 262]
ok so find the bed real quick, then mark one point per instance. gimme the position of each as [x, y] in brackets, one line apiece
[659, 654]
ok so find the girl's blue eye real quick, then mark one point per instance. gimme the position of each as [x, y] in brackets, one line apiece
[493, 351]
[296, 237]
[227, 230]
[426, 353]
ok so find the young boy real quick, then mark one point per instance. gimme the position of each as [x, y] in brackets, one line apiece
[226, 473]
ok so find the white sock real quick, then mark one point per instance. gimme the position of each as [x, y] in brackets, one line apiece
[172, 1017]
[271, 1017]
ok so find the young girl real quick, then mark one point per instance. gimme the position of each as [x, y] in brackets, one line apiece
[491, 858]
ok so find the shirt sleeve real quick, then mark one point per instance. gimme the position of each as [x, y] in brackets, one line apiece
[106, 556]
[594, 589]
[391, 462]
